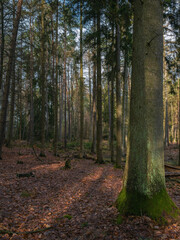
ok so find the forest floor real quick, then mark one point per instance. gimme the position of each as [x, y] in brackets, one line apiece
[75, 204]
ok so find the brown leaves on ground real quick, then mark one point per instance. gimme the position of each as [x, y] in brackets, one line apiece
[74, 204]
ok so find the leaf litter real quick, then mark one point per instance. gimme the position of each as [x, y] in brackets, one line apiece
[74, 204]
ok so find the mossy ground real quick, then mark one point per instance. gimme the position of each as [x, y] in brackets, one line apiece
[158, 207]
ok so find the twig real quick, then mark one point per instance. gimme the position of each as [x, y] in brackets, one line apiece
[36, 154]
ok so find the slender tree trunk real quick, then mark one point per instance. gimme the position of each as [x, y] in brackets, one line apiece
[166, 126]
[31, 128]
[179, 117]
[109, 109]
[125, 105]
[43, 92]
[11, 120]
[99, 91]
[90, 97]
[81, 87]
[68, 100]
[56, 89]
[112, 98]
[2, 43]
[8, 75]
[93, 147]
[65, 91]
[118, 96]
[144, 178]
[61, 108]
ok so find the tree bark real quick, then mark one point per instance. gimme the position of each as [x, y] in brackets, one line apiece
[125, 104]
[99, 91]
[2, 43]
[81, 89]
[11, 119]
[43, 75]
[56, 88]
[118, 96]
[93, 147]
[31, 128]
[8, 75]
[144, 191]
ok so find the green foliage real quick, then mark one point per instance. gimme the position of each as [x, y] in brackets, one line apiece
[25, 194]
[67, 216]
[85, 224]
[87, 145]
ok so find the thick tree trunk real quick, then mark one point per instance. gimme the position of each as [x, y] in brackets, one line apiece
[144, 191]
[8, 75]
[118, 96]
[99, 91]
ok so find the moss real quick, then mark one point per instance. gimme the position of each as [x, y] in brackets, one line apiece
[67, 216]
[159, 207]
[25, 194]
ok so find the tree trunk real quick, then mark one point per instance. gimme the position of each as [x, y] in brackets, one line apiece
[99, 91]
[144, 191]
[81, 89]
[8, 75]
[125, 105]
[2, 43]
[56, 89]
[31, 128]
[93, 147]
[166, 126]
[65, 89]
[11, 120]
[118, 96]
[112, 99]
[90, 97]
[43, 92]
[179, 117]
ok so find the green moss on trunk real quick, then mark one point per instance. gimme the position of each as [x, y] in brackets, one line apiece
[159, 206]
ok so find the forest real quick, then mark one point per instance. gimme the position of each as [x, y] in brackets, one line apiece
[89, 119]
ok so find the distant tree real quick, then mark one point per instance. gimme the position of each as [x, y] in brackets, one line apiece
[8, 75]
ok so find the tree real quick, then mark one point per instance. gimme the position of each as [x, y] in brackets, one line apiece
[99, 88]
[56, 89]
[118, 97]
[8, 75]
[81, 86]
[2, 43]
[43, 93]
[144, 191]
